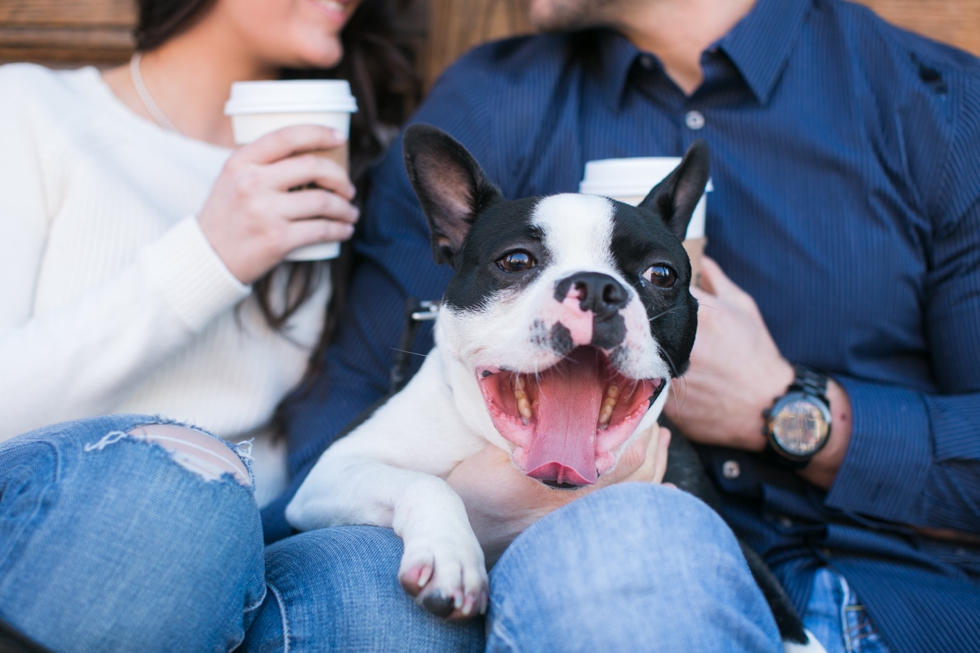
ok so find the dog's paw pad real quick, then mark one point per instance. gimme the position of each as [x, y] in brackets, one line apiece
[439, 604]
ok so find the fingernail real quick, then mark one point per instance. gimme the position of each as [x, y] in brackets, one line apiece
[339, 135]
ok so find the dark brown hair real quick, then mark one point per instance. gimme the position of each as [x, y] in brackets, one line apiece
[383, 80]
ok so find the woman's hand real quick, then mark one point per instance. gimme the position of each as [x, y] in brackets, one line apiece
[251, 218]
[501, 501]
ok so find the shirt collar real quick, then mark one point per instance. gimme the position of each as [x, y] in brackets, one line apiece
[759, 46]
[761, 43]
[617, 55]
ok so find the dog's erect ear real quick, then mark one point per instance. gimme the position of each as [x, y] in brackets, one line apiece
[676, 196]
[451, 186]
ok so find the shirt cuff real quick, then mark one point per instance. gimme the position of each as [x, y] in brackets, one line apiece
[190, 275]
[889, 455]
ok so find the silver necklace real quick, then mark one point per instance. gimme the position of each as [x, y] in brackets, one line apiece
[151, 106]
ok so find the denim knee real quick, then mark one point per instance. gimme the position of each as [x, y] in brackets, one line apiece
[633, 567]
[107, 544]
[336, 589]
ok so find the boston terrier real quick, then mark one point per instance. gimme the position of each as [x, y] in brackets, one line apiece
[559, 335]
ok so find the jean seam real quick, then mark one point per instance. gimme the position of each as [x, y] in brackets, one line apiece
[257, 604]
[498, 628]
[286, 635]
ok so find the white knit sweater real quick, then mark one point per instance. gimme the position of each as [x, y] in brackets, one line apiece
[111, 298]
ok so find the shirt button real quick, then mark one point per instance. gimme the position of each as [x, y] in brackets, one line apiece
[646, 62]
[786, 522]
[694, 120]
[730, 469]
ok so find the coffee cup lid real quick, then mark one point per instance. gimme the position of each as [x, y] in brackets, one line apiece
[627, 177]
[290, 96]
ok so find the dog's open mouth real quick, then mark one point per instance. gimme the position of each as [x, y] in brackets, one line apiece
[566, 420]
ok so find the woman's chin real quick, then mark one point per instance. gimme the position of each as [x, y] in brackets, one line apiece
[320, 55]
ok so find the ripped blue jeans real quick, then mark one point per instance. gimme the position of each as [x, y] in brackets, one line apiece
[106, 544]
[111, 542]
[113, 539]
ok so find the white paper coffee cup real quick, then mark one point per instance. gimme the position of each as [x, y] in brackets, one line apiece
[631, 180]
[257, 108]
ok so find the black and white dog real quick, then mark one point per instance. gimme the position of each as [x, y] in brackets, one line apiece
[559, 335]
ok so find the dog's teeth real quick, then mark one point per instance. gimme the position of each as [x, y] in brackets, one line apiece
[605, 413]
[524, 407]
[608, 405]
[523, 403]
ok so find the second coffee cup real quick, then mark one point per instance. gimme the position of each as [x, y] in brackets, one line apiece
[630, 180]
[257, 108]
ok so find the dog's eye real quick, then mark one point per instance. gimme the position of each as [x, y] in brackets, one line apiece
[662, 276]
[516, 261]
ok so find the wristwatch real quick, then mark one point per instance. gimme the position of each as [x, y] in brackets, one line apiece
[797, 426]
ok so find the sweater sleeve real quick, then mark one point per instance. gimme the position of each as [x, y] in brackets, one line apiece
[85, 357]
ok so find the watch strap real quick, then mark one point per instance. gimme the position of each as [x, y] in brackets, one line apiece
[809, 381]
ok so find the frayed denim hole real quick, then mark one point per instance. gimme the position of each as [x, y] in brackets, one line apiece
[225, 478]
[109, 438]
[241, 449]
[244, 451]
[198, 465]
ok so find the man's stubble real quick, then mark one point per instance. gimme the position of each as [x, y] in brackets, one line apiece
[571, 15]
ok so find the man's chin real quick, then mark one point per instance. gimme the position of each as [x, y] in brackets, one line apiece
[568, 15]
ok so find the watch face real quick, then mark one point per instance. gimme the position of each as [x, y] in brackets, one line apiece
[800, 425]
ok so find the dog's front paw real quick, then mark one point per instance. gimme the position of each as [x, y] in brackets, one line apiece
[447, 575]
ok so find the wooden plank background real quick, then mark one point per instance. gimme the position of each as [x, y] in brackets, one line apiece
[461, 24]
[76, 32]
[66, 32]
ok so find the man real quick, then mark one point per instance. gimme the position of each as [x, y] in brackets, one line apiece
[845, 216]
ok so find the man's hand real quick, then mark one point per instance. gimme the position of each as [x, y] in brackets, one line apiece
[501, 501]
[737, 372]
[736, 369]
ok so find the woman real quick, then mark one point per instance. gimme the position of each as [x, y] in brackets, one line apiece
[132, 238]
[143, 267]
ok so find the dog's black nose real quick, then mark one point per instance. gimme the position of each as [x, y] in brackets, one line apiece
[597, 292]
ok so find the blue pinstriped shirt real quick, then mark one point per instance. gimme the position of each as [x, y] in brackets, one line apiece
[845, 157]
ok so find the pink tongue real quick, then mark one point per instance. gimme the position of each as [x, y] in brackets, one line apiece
[569, 398]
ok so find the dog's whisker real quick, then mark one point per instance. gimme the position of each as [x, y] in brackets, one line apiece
[660, 315]
[405, 351]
